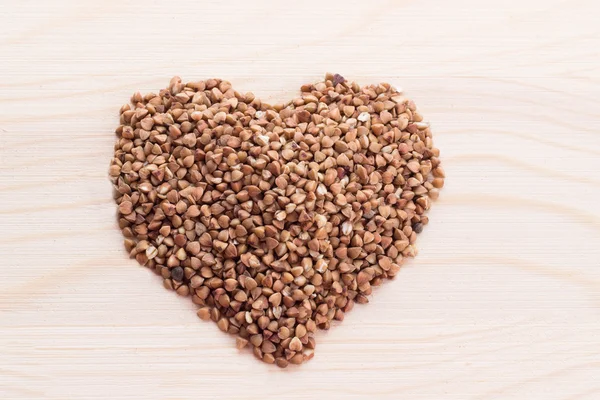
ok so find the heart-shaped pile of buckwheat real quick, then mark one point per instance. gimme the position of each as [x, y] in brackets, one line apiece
[274, 219]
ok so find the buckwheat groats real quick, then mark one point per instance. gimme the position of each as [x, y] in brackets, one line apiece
[275, 220]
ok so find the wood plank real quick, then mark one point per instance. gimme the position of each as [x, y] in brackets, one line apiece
[503, 300]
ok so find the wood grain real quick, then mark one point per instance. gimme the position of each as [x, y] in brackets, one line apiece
[503, 301]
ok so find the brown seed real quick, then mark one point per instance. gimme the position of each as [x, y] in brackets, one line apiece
[125, 208]
[240, 343]
[300, 331]
[271, 243]
[326, 142]
[337, 79]
[418, 228]
[275, 299]
[354, 252]
[236, 175]
[269, 358]
[223, 324]
[256, 340]
[151, 252]
[297, 359]
[177, 274]
[386, 117]
[181, 254]
[204, 313]
[284, 332]
[268, 347]
[281, 362]
[348, 111]
[414, 166]
[296, 344]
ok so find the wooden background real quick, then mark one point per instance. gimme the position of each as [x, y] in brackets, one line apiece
[503, 301]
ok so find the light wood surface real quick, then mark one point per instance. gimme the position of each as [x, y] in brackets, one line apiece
[503, 301]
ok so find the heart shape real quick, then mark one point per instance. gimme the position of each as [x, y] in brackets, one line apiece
[276, 220]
